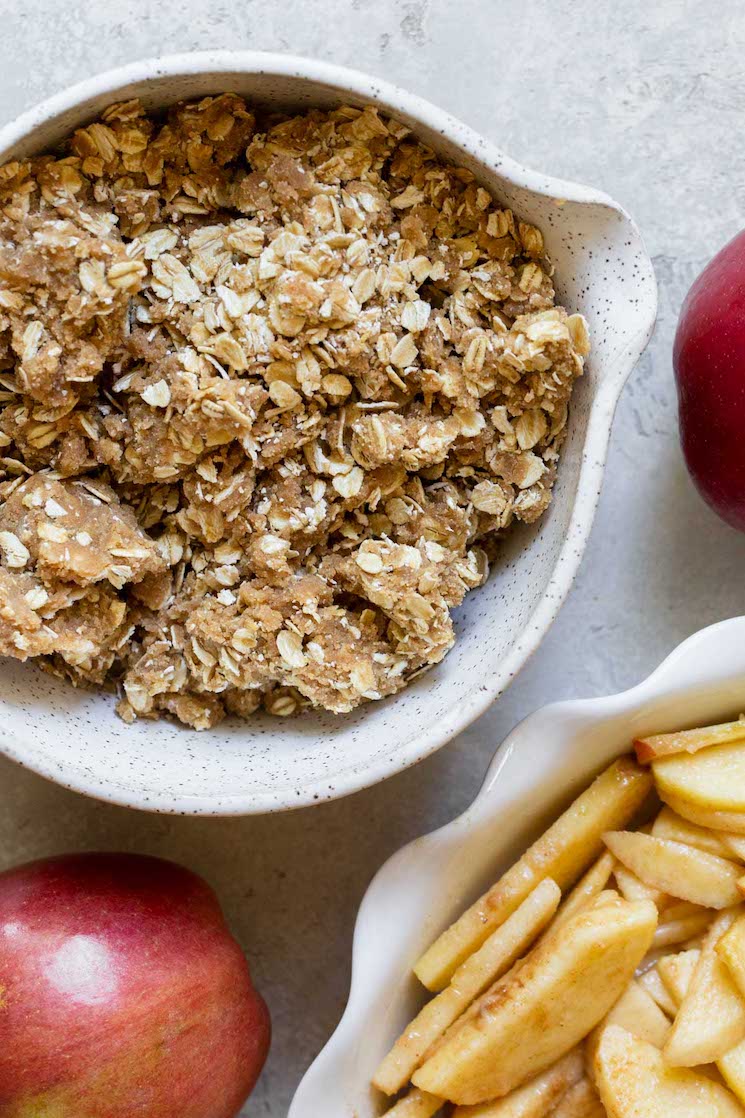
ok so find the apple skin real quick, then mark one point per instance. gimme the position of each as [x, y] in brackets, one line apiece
[709, 363]
[122, 994]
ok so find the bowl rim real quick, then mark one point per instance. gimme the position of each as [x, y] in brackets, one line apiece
[674, 674]
[594, 451]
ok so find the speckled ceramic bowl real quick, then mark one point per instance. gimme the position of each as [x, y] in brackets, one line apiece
[544, 763]
[602, 270]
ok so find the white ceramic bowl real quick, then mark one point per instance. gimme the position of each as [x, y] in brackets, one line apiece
[602, 270]
[542, 765]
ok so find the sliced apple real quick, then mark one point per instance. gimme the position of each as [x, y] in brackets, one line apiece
[669, 825]
[638, 1013]
[475, 1007]
[605, 896]
[728, 821]
[731, 950]
[580, 1101]
[415, 1104]
[635, 1082]
[733, 844]
[673, 930]
[672, 867]
[652, 982]
[711, 1017]
[713, 779]
[503, 947]
[679, 910]
[676, 972]
[688, 741]
[732, 1067]
[587, 888]
[633, 889]
[537, 1097]
[563, 852]
[565, 986]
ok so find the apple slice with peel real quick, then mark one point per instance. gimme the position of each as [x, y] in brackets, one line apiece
[713, 779]
[564, 987]
[635, 1082]
[683, 871]
[688, 741]
[727, 821]
[711, 1017]
[580, 1101]
[537, 1097]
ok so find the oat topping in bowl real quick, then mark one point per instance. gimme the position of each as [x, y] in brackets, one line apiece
[270, 391]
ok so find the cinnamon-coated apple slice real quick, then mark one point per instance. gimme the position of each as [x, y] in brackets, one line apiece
[670, 825]
[652, 982]
[415, 1104]
[731, 949]
[733, 844]
[565, 986]
[638, 1013]
[676, 971]
[635, 1082]
[711, 1017]
[587, 889]
[674, 929]
[728, 821]
[674, 868]
[633, 889]
[713, 779]
[732, 1067]
[688, 741]
[580, 1101]
[537, 1097]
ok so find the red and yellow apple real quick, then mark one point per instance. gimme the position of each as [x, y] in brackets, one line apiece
[122, 994]
[709, 363]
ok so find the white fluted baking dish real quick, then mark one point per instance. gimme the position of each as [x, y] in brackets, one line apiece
[546, 761]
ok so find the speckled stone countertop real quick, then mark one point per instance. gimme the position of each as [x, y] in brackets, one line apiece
[644, 101]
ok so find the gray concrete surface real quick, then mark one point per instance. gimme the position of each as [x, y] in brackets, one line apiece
[643, 100]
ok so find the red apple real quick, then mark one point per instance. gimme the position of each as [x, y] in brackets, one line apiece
[122, 994]
[709, 362]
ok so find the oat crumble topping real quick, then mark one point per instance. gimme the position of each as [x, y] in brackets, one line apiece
[269, 393]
